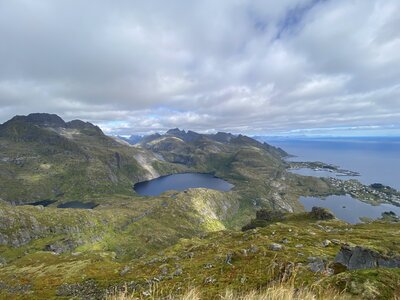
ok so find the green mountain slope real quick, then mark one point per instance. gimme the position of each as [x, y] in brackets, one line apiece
[43, 157]
[49, 251]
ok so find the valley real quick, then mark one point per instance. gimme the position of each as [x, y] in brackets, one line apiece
[108, 236]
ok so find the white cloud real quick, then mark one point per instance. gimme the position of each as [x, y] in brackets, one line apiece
[242, 66]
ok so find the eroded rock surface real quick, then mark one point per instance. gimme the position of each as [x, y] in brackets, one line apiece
[355, 258]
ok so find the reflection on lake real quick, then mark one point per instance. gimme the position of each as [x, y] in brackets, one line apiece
[42, 202]
[78, 204]
[181, 182]
[347, 208]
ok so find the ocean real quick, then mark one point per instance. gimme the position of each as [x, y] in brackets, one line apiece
[377, 159]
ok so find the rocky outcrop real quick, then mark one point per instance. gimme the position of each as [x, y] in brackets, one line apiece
[62, 246]
[355, 258]
[263, 218]
[270, 215]
[321, 213]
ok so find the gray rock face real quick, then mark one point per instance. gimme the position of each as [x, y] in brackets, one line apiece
[326, 243]
[317, 266]
[61, 246]
[321, 213]
[362, 258]
[276, 247]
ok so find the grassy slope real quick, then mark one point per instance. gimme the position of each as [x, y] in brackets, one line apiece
[124, 226]
[42, 163]
[200, 260]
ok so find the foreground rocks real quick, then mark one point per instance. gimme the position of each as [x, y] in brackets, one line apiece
[355, 258]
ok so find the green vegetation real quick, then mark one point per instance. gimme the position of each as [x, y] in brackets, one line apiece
[174, 241]
[239, 261]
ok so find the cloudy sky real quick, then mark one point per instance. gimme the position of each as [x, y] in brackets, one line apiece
[255, 66]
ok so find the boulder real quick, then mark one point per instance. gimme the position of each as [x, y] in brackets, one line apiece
[276, 247]
[321, 213]
[355, 258]
[317, 265]
[326, 243]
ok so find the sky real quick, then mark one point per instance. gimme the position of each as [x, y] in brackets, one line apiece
[287, 67]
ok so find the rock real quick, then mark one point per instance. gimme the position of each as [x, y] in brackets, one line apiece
[86, 290]
[355, 258]
[228, 259]
[321, 213]
[253, 249]
[284, 241]
[210, 280]
[146, 293]
[276, 247]
[326, 243]
[317, 266]
[270, 215]
[178, 272]
[190, 255]
[335, 241]
[208, 266]
[125, 270]
[60, 247]
[299, 246]
[15, 288]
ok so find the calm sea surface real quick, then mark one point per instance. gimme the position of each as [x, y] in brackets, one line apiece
[376, 159]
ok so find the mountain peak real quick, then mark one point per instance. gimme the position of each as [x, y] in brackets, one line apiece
[175, 131]
[86, 127]
[41, 119]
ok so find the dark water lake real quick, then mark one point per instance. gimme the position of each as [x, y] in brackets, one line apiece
[42, 202]
[78, 204]
[349, 209]
[181, 182]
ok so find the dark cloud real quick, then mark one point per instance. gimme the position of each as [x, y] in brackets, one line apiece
[242, 66]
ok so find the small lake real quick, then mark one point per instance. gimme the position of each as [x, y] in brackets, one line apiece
[181, 182]
[347, 208]
[42, 202]
[78, 204]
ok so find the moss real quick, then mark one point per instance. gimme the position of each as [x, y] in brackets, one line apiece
[251, 265]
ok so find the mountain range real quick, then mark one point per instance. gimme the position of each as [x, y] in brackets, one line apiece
[176, 239]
